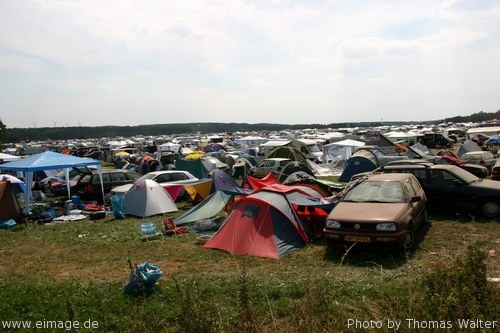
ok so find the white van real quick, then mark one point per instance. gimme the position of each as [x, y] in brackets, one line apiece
[309, 148]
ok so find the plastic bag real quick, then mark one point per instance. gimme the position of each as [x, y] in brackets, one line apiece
[142, 279]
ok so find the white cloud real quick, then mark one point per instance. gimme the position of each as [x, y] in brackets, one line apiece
[12, 63]
[253, 61]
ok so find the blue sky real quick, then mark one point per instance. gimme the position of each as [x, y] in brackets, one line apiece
[127, 62]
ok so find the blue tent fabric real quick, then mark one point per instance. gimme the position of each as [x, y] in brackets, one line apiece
[214, 148]
[48, 160]
[222, 181]
[364, 160]
[493, 140]
[118, 206]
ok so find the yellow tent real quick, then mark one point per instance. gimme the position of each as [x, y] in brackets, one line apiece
[199, 191]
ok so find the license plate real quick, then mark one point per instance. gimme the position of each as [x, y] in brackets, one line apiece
[360, 239]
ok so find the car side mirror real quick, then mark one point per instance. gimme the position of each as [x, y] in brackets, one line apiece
[415, 199]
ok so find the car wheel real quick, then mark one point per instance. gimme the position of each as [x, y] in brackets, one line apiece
[426, 216]
[410, 240]
[490, 208]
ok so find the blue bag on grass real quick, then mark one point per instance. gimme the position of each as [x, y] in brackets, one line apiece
[142, 279]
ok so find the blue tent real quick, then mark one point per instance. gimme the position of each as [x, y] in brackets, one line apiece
[493, 140]
[364, 160]
[48, 161]
[222, 181]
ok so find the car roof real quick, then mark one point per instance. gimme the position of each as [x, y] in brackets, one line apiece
[478, 152]
[161, 172]
[278, 159]
[411, 162]
[390, 176]
[420, 166]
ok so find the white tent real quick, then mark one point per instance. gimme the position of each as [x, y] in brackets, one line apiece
[147, 198]
[344, 148]
[8, 157]
[168, 147]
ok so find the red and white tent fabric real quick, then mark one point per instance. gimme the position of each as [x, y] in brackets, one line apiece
[263, 224]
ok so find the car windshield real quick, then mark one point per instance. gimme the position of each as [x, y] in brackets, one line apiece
[376, 191]
[465, 175]
[313, 148]
[146, 176]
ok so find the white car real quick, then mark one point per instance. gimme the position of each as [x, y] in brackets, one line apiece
[164, 178]
[482, 157]
[269, 165]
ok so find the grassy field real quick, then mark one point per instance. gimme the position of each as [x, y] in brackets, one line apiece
[75, 271]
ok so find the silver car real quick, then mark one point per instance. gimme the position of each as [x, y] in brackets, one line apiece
[164, 178]
[481, 157]
[269, 165]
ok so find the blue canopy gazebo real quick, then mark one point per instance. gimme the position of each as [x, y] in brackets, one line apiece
[48, 160]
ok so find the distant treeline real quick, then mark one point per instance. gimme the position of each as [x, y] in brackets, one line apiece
[83, 132]
[475, 118]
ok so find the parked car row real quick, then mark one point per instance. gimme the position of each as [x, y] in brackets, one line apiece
[453, 189]
[388, 205]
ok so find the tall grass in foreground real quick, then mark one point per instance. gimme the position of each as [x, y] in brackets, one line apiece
[250, 303]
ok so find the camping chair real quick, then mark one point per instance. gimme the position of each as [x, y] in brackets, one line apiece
[149, 231]
[172, 229]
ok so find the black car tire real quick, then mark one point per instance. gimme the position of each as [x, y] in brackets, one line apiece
[490, 208]
[410, 240]
[426, 216]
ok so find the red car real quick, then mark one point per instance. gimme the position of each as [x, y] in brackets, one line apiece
[382, 209]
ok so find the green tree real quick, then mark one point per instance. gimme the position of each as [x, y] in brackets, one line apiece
[3, 133]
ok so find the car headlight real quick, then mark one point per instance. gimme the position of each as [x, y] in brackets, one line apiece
[331, 224]
[386, 227]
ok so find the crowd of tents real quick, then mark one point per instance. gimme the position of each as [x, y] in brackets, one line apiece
[268, 217]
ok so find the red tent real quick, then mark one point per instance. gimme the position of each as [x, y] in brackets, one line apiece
[9, 207]
[254, 183]
[263, 224]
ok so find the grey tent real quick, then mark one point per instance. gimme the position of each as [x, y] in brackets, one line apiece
[467, 146]
[208, 208]
[147, 198]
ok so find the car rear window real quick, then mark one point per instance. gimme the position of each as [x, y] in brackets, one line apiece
[117, 177]
[132, 176]
[105, 178]
[178, 176]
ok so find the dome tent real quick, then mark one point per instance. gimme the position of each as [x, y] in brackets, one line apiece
[148, 198]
